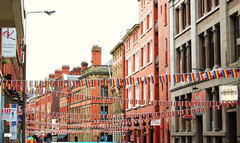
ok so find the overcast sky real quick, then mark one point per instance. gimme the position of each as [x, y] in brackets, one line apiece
[66, 37]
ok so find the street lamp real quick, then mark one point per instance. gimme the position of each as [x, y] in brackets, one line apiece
[24, 71]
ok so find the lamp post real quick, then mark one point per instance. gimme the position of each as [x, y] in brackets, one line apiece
[24, 71]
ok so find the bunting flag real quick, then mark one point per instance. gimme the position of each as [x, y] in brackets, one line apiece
[126, 81]
[161, 78]
[147, 80]
[100, 82]
[112, 82]
[139, 80]
[87, 83]
[105, 82]
[184, 77]
[175, 78]
[80, 83]
[216, 74]
[191, 77]
[200, 76]
[131, 81]
[234, 73]
[168, 78]
[225, 73]
[93, 83]
[10, 123]
[208, 75]
[154, 80]
[11, 105]
[119, 81]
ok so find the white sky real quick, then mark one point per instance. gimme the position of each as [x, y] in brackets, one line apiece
[66, 37]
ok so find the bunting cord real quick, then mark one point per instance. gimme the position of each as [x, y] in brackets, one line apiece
[159, 115]
[111, 116]
[118, 81]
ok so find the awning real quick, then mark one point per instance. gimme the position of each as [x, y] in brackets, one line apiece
[61, 136]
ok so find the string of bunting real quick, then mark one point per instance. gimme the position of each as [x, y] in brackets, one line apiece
[64, 126]
[139, 116]
[82, 97]
[200, 76]
[126, 126]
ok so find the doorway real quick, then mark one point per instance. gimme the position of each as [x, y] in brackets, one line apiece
[76, 139]
[199, 129]
[232, 128]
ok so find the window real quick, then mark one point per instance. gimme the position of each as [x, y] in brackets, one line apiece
[136, 60]
[178, 21]
[32, 109]
[165, 13]
[202, 4]
[203, 52]
[144, 92]
[166, 56]
[149, 19]
[104, 91]
[129, 98]
[104, 110]
[137, 94]
[184, 16]
[143, 52]
[236, 37]
[150, 91]
[129, 66]
[143, 26]
[149, 43]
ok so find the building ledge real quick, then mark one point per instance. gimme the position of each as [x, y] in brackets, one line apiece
[213, 133]
[235, 64]
[183, 133]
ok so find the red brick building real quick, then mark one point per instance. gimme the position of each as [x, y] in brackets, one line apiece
[146, 53]
[140, 51]
[87, 107]
[163, 65]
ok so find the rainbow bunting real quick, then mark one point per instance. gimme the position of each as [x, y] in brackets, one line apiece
[216, 74]
[139, 80]
[200, 76]
[10, 123]
[11, 105]
[105, 82]
[99, 82]
[208, 75]
[175, 78]
[75, 83]
[131, 81]
[80, 83]
[225, 73]
[147, 80]
[112, 82]
[126, 81]
[154, 80]
[161, 78]
[93, 83]
[119, 81]
[234, 73]
[168, 78]
[184, 77]
[191, 77]
[87, 83]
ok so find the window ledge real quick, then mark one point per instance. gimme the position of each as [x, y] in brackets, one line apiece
[143, 105]
[142, 35]
[207, 14]
[148, 1]
[128, 76]
[136, 107]
[135, 72]
[142, 67]
[149, 29]
[180, 33]
[149, 63]
[128, 109]
[134, 43]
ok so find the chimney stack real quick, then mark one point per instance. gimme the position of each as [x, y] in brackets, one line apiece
[76, 71]
[96, 55]
[58, 73]
[84, 65]
[65, 69]
[51, 76]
